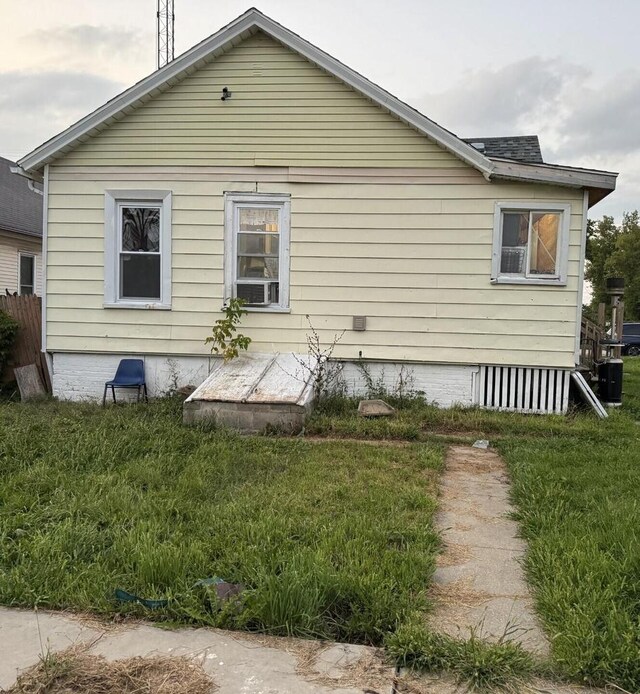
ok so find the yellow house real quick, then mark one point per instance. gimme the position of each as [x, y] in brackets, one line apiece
[256, 165]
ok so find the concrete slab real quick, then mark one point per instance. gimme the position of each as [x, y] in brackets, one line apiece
[479, 585]
[236, 662]
[27, 636]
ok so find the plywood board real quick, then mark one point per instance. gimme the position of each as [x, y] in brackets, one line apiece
[259, 378]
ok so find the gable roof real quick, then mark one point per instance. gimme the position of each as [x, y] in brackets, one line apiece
[20, 204]
[248, 24]
[525, 148]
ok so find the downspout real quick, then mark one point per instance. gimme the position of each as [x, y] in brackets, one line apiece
[45, 221]
[583, 253]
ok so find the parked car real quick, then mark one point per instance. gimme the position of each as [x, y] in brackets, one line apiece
[631, 339]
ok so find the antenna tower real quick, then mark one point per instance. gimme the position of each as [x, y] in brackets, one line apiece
[166, 24]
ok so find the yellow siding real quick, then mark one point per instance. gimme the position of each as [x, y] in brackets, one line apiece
[284, 111]
[11, 245]
[414, 258]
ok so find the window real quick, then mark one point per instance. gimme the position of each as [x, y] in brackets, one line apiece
[138, 249]
[631, 329]
[26, 273]
[530, 244]
[257, 250]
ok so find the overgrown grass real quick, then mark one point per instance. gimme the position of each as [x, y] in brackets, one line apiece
[579, 509]
[576, 485]
[631, 387]
[418, 421]
[330, 540]
[578, 500]
[477, 664]
[578, 503]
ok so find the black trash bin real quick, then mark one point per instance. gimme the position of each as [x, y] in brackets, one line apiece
[610, 382]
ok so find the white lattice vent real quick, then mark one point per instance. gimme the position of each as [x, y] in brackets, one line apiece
[521, 389]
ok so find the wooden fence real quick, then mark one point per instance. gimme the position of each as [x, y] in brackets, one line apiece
[27, 311]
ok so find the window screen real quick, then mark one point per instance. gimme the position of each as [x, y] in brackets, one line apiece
[140, 257]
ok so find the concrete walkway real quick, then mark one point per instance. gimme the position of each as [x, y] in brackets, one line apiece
[479, 584]
[237, 663]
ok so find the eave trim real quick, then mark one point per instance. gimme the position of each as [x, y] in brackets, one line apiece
[560, 175]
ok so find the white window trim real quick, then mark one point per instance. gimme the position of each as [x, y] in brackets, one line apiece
[231, 200]
[112, 198]
[26, 254]
[563, 242]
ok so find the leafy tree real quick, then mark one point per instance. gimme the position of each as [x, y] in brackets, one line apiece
[625, 262]
[614, 251]
[602, 236]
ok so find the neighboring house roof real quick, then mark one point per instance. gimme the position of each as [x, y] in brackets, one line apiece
[248, 24]
[20, 204]
[524, 148]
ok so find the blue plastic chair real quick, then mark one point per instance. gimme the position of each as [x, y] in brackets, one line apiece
[130, 374]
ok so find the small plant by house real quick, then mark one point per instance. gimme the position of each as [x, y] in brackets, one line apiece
[319, 367]
[224, 339]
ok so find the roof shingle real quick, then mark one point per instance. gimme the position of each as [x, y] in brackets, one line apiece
[524, 148]
[20, 206]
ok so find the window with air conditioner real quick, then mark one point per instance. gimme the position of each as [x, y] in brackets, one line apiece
[530, 244]
[257, 230]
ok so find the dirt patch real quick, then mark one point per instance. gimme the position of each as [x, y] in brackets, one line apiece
[398, 443]
[480, 460]
[459, 594]
[454, 554]
[76, 672]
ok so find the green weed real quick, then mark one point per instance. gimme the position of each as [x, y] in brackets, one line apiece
[127, 497]
[477, 664]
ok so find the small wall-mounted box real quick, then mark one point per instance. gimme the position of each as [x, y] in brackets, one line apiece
[360, 323]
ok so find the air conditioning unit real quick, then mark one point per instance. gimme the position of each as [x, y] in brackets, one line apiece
[513, 259]
[257, 293]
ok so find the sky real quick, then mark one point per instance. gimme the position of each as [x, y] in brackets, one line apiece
[566, 70]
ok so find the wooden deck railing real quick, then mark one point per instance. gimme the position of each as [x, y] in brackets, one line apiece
[591, 336]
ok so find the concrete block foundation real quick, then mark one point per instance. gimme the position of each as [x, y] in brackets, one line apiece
[247, 418]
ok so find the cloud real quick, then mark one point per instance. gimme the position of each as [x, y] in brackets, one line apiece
[581, 120]
[90, 39]
[34, 106]
[119, 53]
[497, 102]
[605, 120]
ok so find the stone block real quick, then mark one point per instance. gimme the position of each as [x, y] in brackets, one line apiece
[375, 408]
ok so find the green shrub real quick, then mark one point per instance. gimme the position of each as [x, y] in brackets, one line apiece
[8, 332]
